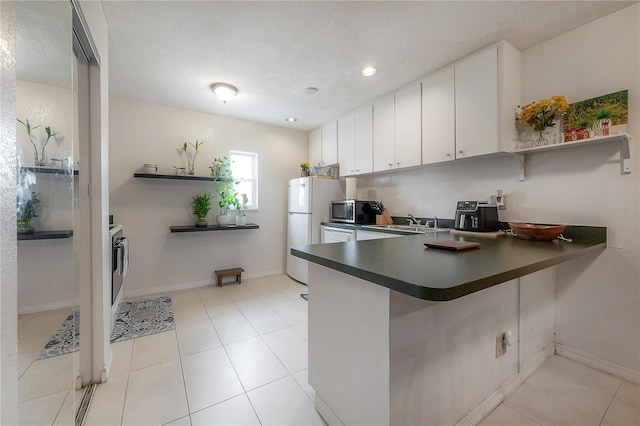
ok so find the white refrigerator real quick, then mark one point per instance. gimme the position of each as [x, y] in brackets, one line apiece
[309, 205]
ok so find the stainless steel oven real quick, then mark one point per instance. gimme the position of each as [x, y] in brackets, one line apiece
[117, 271]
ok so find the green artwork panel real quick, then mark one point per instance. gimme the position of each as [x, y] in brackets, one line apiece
[612, 107]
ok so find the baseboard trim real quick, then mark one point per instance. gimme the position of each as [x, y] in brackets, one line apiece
[483, 409]
[50, 306]
[190, 285]
[325, 412]
[600, 364]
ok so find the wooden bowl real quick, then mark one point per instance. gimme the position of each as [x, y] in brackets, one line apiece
[530, 231]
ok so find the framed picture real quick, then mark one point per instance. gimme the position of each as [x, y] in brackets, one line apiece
[608, 112]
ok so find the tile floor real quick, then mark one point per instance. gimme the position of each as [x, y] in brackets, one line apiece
[45, 387]
[238, 355]
[565, 392]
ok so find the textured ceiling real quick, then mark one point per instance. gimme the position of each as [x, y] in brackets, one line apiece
[169, 52]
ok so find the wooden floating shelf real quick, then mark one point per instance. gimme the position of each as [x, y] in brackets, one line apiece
[174, 177]
[192, 228]
[50, 171]
[46, 235]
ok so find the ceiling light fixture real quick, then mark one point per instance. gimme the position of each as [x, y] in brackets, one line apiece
[224, 91]
[291, 119]
[369, 71]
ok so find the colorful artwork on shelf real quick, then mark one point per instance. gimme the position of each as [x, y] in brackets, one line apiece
[602, 115]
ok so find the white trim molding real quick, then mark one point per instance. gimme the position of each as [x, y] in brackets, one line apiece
[600, 364]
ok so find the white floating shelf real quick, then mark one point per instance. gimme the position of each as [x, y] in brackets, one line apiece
[620, 138]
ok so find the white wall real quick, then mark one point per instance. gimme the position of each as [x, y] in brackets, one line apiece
[598, 299]
[150, 133]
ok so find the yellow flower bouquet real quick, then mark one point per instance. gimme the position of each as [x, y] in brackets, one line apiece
[542, 114]
[304, 167]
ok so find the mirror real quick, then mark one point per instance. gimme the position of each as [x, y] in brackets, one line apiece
[48, 292]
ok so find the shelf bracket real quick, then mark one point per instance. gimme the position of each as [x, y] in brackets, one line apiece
[520, 160]
[625, 156]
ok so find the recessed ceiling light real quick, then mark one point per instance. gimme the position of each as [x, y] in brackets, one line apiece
[291, 119]
[311, 90]
[369, 71]
[224, 91]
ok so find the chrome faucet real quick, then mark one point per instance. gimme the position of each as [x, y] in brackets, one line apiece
[412, 220]
[435, 221]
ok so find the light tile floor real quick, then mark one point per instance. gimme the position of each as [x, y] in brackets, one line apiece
[565, 392]
[239, 355]
[45, 387]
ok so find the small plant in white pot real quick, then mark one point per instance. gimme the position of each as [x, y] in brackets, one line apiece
[201, 207]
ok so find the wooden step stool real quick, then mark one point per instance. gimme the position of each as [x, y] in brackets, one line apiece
[233, 272]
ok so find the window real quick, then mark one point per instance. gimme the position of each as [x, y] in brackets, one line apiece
[244, 166]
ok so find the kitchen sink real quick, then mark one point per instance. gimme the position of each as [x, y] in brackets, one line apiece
[421, 229]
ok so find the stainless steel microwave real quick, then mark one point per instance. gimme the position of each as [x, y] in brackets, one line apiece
[353, 211]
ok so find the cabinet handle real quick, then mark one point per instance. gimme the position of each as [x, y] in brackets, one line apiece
[357, 170]
[461, 152]
[351, 170]
[448, 155]
[390, 164]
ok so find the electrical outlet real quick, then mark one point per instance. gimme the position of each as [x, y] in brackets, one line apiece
[501, 346]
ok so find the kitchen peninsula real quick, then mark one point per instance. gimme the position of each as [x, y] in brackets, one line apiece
[401, 334]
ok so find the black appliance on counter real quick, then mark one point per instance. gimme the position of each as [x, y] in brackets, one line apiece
[476, 216]
[354, 211]
[119, 262]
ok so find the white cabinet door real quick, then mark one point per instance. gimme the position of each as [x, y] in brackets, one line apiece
[408, 129]
[330, 143]
[477, 119]
[315, 147]
[346, 145]
[364, 140]
[383, 135]
[438, 117]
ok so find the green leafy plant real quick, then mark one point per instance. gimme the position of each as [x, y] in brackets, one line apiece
[27, 210]
[29, 129]
[604, 114]
[202, 205]
[191, 155]
[225, 184]
[40, 157]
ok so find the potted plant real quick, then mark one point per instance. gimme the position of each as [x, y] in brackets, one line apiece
[191, 156]
[542, 114]
[304, 169]
[225, 185]
[241, 216]
[27, 210]
[201, 207]
[40, 158]
[603, 121]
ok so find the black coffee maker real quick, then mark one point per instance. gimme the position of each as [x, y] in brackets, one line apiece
[476, 216]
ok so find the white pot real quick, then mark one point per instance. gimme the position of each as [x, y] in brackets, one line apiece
[241, 220]
[223, 219]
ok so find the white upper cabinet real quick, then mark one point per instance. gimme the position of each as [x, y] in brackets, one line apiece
[330, 143]
[476, 83]
[315, 147]
[364, 140]
[438, 117]
[355, 142]
[346, 144]
[408, 129]
[487, 89]
[383, 134]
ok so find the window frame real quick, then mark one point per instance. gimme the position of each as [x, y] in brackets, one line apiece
[254, 181]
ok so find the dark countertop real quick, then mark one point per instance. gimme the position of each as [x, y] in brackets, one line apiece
[405, 265]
